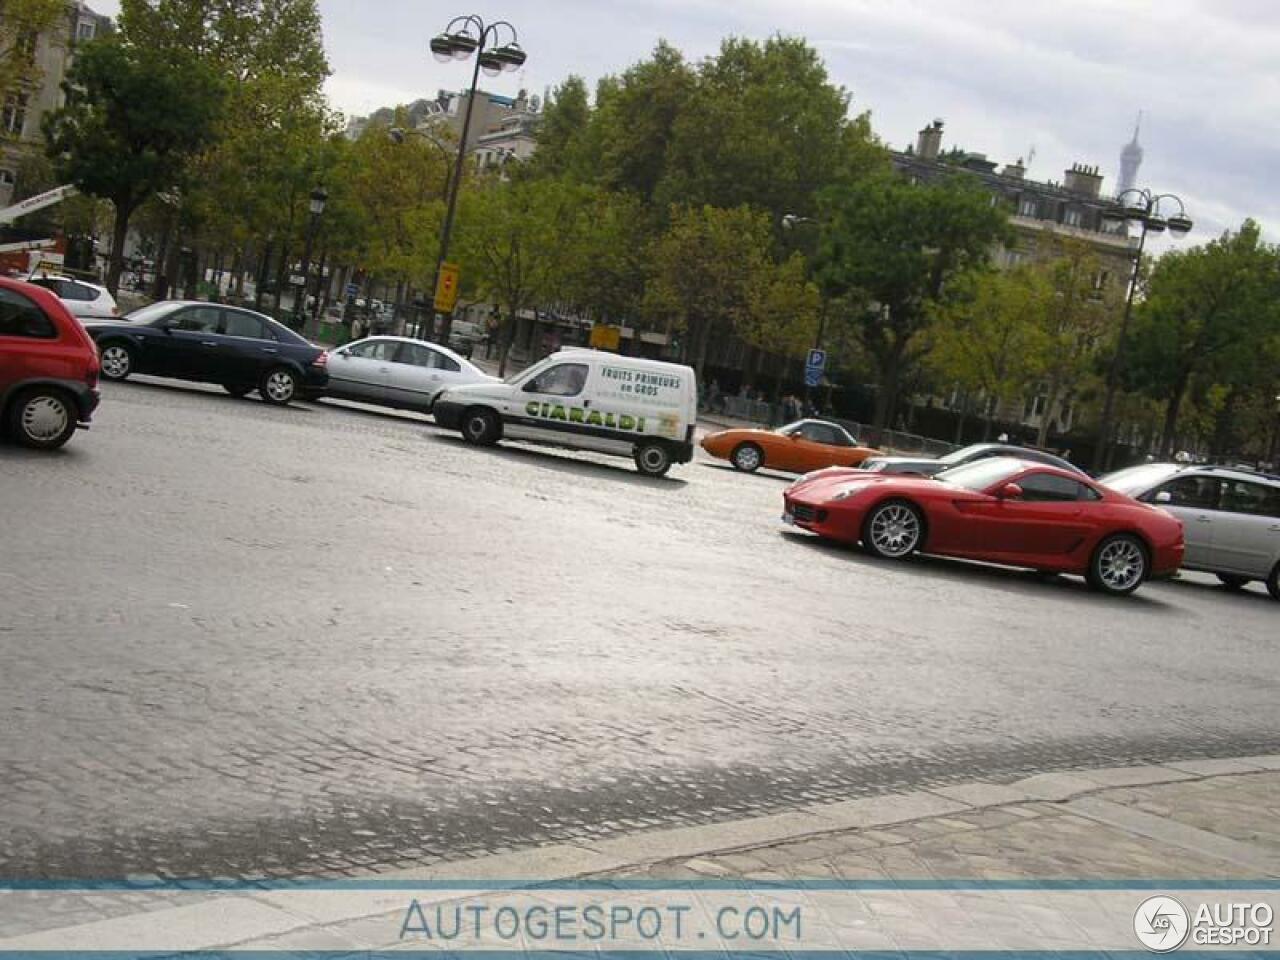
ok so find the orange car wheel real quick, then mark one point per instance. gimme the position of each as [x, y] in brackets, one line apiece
[747, 457]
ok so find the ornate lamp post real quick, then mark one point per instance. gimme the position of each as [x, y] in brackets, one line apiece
[462, 37]
[1143, 208]
[319, 197]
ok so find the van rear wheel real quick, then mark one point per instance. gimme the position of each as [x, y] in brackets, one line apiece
[653, 459]
[480, 426]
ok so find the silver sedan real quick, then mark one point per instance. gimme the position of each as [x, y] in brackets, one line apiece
[398, 372]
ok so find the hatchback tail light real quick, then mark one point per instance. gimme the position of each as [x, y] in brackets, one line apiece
[322, 360]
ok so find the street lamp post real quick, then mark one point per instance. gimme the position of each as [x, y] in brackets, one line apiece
[319, 197]
[1141, 207]
[462, 37]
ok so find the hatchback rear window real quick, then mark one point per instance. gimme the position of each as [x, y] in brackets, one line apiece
[20, 317]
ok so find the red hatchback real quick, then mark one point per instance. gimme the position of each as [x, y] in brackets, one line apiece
[48, 367]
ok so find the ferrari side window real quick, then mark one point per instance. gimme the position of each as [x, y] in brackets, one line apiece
[1050, 488]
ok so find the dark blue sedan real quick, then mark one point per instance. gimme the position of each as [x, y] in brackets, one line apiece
[212, 343]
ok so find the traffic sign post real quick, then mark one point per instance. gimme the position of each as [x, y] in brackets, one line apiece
[447, 287]
[815, 365]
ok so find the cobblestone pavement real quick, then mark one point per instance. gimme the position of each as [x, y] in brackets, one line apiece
[240, 641]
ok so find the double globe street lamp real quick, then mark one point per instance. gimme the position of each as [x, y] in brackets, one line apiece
[497, 50]
[1141, 207]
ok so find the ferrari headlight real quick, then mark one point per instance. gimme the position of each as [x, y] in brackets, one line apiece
[845, 494]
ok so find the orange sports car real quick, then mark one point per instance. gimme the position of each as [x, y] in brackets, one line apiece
[798, 447]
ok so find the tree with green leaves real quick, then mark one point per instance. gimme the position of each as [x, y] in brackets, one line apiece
[1207, 311]
[514, 239]
[897, 248]
[988, 340]
[133, 120]
[762, 125]
[705, 275]
[1084, 305]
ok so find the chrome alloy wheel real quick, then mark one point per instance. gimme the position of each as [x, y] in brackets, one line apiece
[115, 362]
[895, 530]
[280, 386]
[1121, 565]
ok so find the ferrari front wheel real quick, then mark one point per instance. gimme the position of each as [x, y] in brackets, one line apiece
[893, 530]
[1119, 565]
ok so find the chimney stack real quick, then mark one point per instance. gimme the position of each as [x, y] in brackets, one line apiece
[929, 141]
[1015, 171]
[1083, 180]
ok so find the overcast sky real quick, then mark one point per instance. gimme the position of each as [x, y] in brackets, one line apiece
[1063, 77]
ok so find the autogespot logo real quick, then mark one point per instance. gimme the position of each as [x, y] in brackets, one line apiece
[1161, 924]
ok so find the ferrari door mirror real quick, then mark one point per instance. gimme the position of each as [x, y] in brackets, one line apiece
[1010, 491]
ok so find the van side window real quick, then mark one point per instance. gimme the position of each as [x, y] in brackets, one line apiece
[562, 380]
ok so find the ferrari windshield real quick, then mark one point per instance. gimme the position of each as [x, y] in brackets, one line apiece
[982, 474]
[1135, 480]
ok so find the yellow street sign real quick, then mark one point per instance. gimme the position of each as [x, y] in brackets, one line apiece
[606, 337]
[447, 287]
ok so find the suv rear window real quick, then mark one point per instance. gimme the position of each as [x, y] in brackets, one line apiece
[20, 317]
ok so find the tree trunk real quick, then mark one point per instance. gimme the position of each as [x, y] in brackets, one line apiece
[1171, 411]
[160, 284]
[508, 335]
[119, 232]
[704, 340]
[1046, 418]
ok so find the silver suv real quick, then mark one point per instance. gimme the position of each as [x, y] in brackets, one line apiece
[1231, 517]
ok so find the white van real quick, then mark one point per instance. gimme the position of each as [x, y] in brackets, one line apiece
[584, 400]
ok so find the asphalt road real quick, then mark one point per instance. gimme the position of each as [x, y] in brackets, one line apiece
[242, 641]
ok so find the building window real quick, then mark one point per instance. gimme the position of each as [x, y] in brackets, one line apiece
[7, 178]
[1100, 280]
[85, 30]
[1028, 208]
[14, 116]
[1072, 217]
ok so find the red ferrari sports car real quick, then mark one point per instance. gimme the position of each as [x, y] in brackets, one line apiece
[1000, 510]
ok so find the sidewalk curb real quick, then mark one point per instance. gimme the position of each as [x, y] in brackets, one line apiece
[265, 922]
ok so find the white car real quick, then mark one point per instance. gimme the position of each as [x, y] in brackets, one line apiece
[84, 300]
[398, 372]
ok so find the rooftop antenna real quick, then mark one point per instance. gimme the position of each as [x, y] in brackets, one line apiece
[1031, 155]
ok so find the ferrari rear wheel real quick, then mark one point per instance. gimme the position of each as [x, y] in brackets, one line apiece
[747, 457]
[1119, 565]
[893, 530]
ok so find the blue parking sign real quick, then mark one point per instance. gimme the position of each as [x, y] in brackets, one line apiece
[817, 360]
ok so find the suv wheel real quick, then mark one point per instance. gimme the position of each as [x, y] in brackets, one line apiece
[43, 418]
[116, 361]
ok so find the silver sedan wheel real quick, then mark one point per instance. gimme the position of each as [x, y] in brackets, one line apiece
[280, 386]
[45, 417]
[1121, 565]
[895, 530]
[115, 361]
